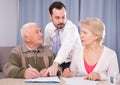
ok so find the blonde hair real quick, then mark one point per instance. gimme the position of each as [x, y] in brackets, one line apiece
[97, 27]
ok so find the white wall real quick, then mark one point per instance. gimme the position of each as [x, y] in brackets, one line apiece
[8, 22]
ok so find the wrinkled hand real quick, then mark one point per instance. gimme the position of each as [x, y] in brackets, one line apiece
[52, 70]
[67, 73]
[42, 73]
[31, 73]
[92, 76]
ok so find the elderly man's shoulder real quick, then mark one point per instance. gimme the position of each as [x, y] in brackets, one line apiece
[17, 48]
[46, 49]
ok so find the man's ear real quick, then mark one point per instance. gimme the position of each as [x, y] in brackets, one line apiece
[50, 16]
[26, 38]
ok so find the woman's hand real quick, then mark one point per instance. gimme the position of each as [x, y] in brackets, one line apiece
[92, 76]
[67, 73]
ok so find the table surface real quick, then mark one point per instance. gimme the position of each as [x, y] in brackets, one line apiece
[13, 81]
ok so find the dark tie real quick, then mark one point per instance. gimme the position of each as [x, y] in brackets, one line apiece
[57, 41]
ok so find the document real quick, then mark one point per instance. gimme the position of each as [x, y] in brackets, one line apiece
[43, 80]
[78, 81]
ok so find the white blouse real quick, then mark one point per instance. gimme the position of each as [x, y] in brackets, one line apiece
[107, 64]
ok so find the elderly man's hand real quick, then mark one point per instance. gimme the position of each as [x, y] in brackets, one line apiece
[31, 73]
[42, 73]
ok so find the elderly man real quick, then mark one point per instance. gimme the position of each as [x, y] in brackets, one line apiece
[31, 59]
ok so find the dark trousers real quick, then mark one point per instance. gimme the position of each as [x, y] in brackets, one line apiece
[65, 65]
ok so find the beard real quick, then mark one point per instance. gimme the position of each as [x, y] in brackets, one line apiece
[60, 26]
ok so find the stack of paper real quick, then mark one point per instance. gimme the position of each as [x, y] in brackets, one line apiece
[43, 80]
[78, 81]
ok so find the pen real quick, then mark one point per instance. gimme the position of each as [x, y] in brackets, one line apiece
[59, 74]
[29, 65]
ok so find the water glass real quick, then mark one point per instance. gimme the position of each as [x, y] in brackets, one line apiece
[114, 80]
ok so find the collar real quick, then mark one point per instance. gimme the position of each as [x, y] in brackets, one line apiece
[26, 48]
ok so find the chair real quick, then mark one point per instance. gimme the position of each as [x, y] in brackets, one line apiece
[4, 53]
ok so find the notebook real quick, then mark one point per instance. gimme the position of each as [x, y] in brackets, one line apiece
[43, 80]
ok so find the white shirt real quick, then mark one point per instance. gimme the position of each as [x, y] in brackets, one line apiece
[69, 37]
[107, 64]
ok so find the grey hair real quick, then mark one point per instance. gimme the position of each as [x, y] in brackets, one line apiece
[24, 27]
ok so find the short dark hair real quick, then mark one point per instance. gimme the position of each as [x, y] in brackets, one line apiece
[57, 5]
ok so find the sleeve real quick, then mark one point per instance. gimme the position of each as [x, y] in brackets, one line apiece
[113, 66]
[73, 65]
[13, 68]
[113, 69]
[67, 45]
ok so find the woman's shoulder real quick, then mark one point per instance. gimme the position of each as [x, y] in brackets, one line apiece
[78, 52]
[109, 51]
[79, 49]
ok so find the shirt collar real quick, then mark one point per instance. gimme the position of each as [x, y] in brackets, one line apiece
[26, 48]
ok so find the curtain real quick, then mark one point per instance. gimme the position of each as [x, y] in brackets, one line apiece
[38, 11]
[118, 30]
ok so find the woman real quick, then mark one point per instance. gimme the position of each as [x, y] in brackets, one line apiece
[95, 61]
